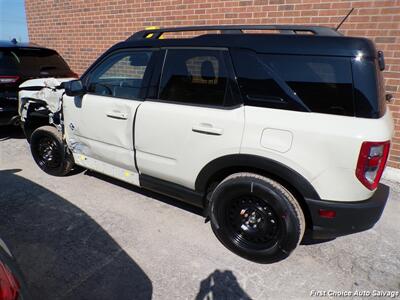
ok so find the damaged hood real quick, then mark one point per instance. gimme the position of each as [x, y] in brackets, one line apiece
[43, 90]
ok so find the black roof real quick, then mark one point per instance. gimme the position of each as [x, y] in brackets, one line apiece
[11, 44]
[321, 41]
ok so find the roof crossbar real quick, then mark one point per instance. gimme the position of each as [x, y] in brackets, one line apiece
[236, 29]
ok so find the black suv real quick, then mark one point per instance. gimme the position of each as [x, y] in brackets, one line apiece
[20, 62]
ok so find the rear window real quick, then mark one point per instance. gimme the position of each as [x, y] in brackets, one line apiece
[31, 61]
[322, 84]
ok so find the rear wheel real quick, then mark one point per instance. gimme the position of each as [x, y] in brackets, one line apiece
[256, 217]
[49, 151]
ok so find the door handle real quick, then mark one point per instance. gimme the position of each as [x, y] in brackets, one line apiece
[207, 128]
[117, 115]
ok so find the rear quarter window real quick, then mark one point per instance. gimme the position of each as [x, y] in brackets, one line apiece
[324, 84]
[321, 84]
[368, 89]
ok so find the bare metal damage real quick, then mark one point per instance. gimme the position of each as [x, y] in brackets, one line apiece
[45, 95]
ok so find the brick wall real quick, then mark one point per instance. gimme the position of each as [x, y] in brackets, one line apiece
[82, 29]
[125, 69]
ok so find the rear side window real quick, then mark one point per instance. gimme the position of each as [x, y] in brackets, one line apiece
[195, 76]
[35, 62]
[313, 83]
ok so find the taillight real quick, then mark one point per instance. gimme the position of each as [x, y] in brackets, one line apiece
[329, 214]
[9, 287]
[8, 79]
[371, 163]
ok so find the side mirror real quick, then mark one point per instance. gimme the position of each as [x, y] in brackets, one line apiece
[74, 88]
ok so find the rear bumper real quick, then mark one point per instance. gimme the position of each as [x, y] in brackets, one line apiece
[351, 217]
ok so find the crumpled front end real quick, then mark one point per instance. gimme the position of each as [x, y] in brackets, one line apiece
[41, 97]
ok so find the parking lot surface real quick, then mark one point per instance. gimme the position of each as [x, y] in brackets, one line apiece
[87, 236]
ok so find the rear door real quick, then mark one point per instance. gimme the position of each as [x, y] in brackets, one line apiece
[193, 118]
[99, 125]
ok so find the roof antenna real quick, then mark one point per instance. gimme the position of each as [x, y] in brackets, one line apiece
[344, 19]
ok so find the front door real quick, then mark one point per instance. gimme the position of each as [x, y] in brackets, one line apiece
[99, 125]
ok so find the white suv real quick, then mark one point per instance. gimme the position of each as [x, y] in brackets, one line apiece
[277, 136]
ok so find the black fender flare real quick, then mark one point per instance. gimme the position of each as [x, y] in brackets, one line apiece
[255, 162]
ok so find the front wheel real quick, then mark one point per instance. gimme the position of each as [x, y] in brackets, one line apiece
[49, 151]
[256, 217]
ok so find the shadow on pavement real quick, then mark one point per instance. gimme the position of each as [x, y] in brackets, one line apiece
[307, 240]
[63, 252]
[147, 193]
[11, 132]
[221, 285]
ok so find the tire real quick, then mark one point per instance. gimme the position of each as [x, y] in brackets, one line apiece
[49, 151]
[256, 217]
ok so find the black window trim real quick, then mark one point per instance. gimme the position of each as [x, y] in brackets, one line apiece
[86, 77]
[230, 72]
[292, 96]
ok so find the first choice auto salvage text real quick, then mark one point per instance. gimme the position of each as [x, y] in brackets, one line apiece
[344, 293]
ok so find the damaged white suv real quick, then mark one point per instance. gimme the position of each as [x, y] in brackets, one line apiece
[277, 136]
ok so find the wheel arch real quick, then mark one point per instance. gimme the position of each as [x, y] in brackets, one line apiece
[37, 115]
[218, 169]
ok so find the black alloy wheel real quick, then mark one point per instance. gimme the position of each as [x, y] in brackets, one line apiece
[252, 223]
[256, 217]
[49, 154]
[49, 151]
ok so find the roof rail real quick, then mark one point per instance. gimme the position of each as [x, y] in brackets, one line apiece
[236, 29]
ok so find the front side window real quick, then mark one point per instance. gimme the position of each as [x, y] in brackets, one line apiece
[195, 76]
[121, 75]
